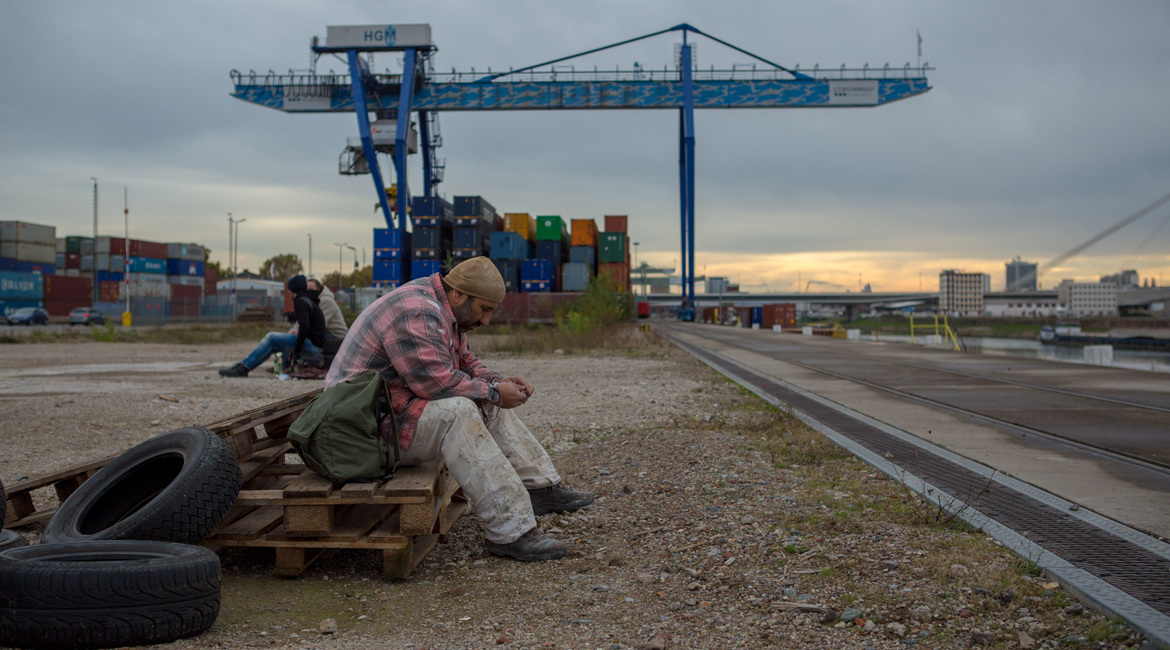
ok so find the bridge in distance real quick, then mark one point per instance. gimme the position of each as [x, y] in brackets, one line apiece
[853, 303]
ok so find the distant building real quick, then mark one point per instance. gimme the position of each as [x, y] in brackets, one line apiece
[962, 293]
[1021, 276]
[1125, 281]
[1020, 304]
[716, 285]
[1088, 298]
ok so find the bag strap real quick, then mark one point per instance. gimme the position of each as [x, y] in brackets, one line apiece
[393, 426]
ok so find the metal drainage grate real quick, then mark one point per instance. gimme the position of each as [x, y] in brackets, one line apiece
[1121, 563]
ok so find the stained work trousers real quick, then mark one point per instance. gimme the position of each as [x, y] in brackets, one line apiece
[495, 461]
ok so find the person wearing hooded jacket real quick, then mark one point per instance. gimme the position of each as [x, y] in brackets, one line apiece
[309, 338]
[334, 320]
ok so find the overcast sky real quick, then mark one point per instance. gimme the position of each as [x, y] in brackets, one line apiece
[1047, 123]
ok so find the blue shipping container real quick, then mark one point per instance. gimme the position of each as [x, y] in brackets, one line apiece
[583, 255]
[9, 263]
[536, 271]
[509, 246]
[575, 277]
[467, 253]
[391, 254]
[184, 267]
[470, 238]
[147, 265]
[535, 286]
[428, 238]
[474, 206]
[390, 270]
[431, 207]
[553, 251]
[510, 271]
[35, 267]
[757, 315]
[424, 268]
[7, 307]
[385, 284]
[389, 238]
[108, 276]
[21, 286]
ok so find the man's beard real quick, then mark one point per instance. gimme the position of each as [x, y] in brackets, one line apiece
[465, 317]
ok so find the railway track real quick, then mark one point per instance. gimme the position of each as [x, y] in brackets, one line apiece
[1121, 571]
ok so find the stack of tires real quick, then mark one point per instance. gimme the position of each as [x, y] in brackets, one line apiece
[119, 563]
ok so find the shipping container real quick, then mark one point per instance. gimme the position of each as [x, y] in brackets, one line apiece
[509, 245]
[59, 288]
[60, 263]
[186, 280]
[551, 228]
[509, 270]
[390, 271]
[108, 276]
[24, 252]
[757, 315]
[111, 246]
[536, 286]
[146, 277]
[28, 233]
[614, 247]
[192, 252]
[22, 286]
[61, 308]
[73, 244]
[73, 273]
[108, 290]
[101, 262]
[643, 310]
[553, 251]
[474, 206]
[145, 289]
[425, 268]
[782, 314]
[9, 307]
[148, 249]
[430, 244]
[185, 267]
[9, 264]
[35, 267]
[87, 262]
[619, 272]
[617, 223]
[146, 264]
[583, 255]
[60, 245]
[210, 277]
[472, 239]
[386, 238]
[583, 232]
[431, 212]
[467, 253]
[521, 223]
[73, 261]
[575, 277]
[536, 270]
[87, 246]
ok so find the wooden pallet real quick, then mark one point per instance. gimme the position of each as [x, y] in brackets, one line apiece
[302, 515]
[247, 433]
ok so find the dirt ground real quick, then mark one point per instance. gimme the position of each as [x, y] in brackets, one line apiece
[703, 535]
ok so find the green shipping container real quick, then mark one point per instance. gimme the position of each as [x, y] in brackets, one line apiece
[73, 244]
[551, 228]
[613, 247]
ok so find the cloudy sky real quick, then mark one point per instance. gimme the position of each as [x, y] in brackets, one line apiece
[1047, 123]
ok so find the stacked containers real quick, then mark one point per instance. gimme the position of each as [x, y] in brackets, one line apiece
[147, 276]
[475, 221]
[521, 223]
[391, 257]
[509, 249]
[552, 244]
[28, 247]
[210, 278]
[425, 268]
[431, 212]
[537, 276]
[614, 253]
[582, 264]
[64, 294]
[185, 267]
[429, 244]
[778, 315]
[20, 290]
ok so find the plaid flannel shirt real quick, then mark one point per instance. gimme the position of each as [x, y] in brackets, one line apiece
[411, 337]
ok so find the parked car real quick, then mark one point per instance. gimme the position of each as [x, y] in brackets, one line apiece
[29, 316]
[86, 316]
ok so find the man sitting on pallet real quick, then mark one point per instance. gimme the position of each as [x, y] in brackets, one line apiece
[447, 404]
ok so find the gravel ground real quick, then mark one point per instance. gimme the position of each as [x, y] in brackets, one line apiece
[716, 519]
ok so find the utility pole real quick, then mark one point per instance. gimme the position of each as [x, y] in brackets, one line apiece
[95, 234]
[636, 266]
[310, 255]
[234, 248]
[340, 250]
[126, 253]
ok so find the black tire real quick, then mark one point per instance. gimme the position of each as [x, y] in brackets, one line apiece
[3, 506]
[106, 594]
[11, 539]
[172, 488]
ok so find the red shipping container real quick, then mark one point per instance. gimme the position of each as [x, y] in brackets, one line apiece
[643, 310]
[210, 277]
[782, 314]
[155, 250]
[616, 223]
[108, 290]
[185, 299]
[117, 245]
[63, 307]
[73, 260]
[68, 289]
[618, 271]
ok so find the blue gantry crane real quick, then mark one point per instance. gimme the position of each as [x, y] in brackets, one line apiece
[394, 97]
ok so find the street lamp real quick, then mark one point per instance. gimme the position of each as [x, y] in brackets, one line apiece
[636, 266]
[310, 255]
[96, 295]
[340, 250]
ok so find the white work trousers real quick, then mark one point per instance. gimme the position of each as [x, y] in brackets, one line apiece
[496, 462]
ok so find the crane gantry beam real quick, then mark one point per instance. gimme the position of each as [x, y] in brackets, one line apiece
[685, 88]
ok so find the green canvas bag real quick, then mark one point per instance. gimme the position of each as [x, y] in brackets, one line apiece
[338, 435]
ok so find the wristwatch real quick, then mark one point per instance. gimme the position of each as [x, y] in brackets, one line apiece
[494, 395]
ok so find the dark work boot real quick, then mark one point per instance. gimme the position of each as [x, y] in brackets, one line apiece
[557, 498]
[238, 370]
[533, 546]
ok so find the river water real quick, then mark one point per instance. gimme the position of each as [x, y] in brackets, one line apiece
[1032, 349]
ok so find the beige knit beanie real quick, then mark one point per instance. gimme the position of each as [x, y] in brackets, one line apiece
[477, 277]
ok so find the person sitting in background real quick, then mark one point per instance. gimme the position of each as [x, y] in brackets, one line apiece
[309, 338]
[334, 321]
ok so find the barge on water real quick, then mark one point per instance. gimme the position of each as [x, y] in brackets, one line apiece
[1073, 336]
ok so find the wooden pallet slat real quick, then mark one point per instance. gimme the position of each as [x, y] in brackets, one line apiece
[254, 524]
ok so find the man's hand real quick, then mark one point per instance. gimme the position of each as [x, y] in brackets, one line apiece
[520, 383]
[511, 395]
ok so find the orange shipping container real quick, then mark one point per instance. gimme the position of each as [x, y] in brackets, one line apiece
[584, 233]
[616, 223]
[522, 223]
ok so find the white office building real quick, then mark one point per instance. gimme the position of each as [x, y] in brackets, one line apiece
[1020, 304]
[961, 294]
[1088, 298]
